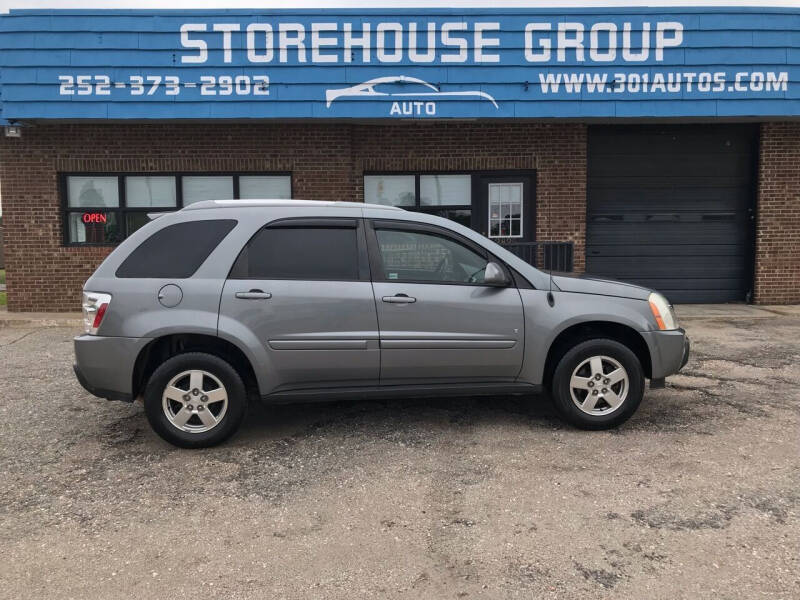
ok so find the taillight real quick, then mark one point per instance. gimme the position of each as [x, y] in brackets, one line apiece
[95, 305]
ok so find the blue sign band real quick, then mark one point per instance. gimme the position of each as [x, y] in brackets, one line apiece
[400, 64]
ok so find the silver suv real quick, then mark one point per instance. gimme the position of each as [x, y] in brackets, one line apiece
[224, 302]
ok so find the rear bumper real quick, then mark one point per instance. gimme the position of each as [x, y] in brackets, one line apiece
[104, 365]
[669, 351]
[100, 393]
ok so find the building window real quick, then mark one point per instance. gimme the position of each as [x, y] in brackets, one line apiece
[445, 190]
[197, 188]
[150, 192]
[390, 190]
[505, 210]
[265, 186]
[103, 210]
[92, 215]
[447, 195]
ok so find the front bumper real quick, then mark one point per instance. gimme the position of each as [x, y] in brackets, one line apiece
[104, 365]
[669, 351]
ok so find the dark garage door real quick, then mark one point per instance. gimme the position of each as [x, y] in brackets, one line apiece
[671, 208]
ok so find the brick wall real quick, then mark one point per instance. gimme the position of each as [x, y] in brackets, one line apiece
[326, 160]
[777, 268]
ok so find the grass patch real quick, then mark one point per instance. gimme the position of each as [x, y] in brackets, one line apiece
[2, 298]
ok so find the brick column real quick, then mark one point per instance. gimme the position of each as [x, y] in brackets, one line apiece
[561, 189]
[777, 268]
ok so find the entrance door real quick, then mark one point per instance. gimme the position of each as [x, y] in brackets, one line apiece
[503, 207]
[438, 322]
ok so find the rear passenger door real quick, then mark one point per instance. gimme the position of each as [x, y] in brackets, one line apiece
[302, 287]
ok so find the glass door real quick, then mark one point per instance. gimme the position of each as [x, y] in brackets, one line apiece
[504, 205]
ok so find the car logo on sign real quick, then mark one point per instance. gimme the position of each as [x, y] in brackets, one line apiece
[404, 101]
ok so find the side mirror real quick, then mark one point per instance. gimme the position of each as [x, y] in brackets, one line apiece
[494, 275]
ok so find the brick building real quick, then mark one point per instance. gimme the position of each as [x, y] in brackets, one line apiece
[690, 190]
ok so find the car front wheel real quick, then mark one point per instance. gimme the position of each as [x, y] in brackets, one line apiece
[598, 384]
[195, 400]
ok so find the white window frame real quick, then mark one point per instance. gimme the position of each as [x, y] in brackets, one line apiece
[521, 186]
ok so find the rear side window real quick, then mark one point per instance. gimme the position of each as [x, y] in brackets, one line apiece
[176, 251]
[322, 253]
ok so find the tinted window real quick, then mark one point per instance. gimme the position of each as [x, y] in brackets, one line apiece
[300, 253]
[176, 251]
[418, 256]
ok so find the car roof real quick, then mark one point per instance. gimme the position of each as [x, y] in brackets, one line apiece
[273, 203]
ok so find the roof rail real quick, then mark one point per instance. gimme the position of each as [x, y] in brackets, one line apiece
[266, 202]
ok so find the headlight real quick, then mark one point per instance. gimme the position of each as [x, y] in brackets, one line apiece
[94, 307]
[663, 312]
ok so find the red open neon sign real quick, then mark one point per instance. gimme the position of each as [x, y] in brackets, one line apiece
[94, 217]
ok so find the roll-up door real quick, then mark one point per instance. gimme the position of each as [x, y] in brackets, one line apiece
[671, 208]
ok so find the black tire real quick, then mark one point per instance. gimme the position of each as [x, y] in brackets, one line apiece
[560, 385]
[218, 368]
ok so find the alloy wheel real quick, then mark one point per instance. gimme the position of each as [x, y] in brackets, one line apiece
[599, 385]
[195, 401]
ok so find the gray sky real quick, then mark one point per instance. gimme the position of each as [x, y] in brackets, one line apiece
[201, 4]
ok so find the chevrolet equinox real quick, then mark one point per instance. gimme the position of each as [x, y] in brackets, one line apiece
[225, 302]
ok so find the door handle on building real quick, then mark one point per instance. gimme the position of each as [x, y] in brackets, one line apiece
[399, 299]
[254, 295]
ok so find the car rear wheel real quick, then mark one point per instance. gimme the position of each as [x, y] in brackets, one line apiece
[195, 400]
[598, 384]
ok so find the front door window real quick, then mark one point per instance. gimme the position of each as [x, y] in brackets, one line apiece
[414, 256]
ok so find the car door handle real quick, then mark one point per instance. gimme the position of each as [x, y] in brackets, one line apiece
[399, 299]
[254, 295]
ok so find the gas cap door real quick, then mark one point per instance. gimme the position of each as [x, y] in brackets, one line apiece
[170, 295]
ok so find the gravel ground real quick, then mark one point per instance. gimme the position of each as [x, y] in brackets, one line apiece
[696, 497]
